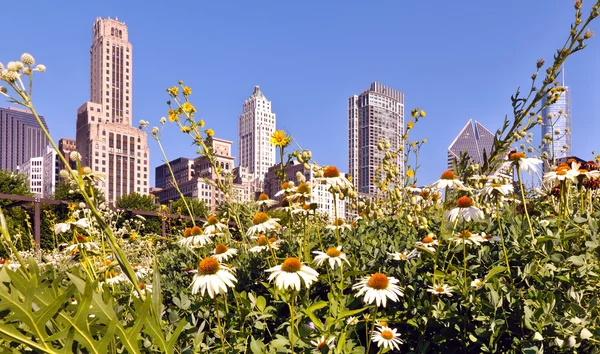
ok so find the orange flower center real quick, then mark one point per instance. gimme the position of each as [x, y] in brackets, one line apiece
[448, 175]
[260, 218]
[262, 241]
[291, 265]
[571, 160]
[333, 252]
[514, 156]
[306, 207]
[142, 286]
[487, 237]
[196, 230]
[561, 172]
[439, 289]
[387, 334]
[208, 266]
[272, 239]
[464, 202]
[2, 261]
[321, 344]
[427, 240]
[212, 220]
[187, 232]
[338, 222]
[82, 239]
[331, 172]
[424, 194]
[465, 234]
[285, 185]
[378, 281]
[478, 283]
[582, 170]
[263, 197]
[303, 188]
[221, 248]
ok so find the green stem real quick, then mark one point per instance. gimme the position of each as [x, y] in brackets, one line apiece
[220, 327]
[291, 305]
[370, 334]
[524, 202]
[502, 236]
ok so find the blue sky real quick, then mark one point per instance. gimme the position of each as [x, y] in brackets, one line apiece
[456, 60]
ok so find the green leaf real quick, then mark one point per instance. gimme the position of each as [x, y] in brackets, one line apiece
[348, 313]
[257, 347]
[261, 303]
[494, 272]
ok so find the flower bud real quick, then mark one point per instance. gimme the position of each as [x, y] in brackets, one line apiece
[163, 120]
[81, 205]
[41, 68]
[63, 174]
[27, 59]
[74, 156]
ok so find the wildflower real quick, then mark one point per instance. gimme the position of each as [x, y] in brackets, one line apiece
[477, 283]
[154, 131]
[264, 200]
[286, 188]
[263, 244]
[141, 271]
[352, 321]
[188, 108]
[448, 180]
[306, 209]
[334, 255]
[210, 132]
[410, 125]
[187, 90]
[63, 227]
[193, 237]
[279, 138]
[489, 238]
[41, 68]
[387, 337]
[213, 224]
[428, 242]
[468, 238]
[338, 224]
[172, 115]
[111, 277]
[27, 59]
[262, 223]
[82, 243]
[288, 274]
[465, 209]
[496, 188]
[321, 343]
[211, 277]
[222, 253]
[378, 287]
[518, 159]
[560, 175]
[404, 256]
[333, 178]
[441, 290]
[302, 191]
[145, 289]
[410, 173]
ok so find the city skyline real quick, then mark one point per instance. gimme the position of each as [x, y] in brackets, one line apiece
[310, 92]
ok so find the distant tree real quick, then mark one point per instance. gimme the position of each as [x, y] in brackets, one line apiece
[136, 201]
[13, 183]
[62, 192]
[197, 206]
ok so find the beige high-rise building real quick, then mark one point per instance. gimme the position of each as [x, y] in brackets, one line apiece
[106, 140]
[256, 124]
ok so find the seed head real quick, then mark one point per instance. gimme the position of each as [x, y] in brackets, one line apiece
[27, 59]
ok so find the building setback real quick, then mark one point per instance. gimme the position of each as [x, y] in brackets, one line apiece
[106, 140]
[375, 114]
[21, 138]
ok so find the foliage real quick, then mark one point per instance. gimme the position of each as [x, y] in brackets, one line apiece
[136, 201]
[197, 207]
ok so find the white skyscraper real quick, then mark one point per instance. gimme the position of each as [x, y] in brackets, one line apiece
[256, 124]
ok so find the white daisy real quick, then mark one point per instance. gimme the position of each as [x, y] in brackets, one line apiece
[428, 242]
[468, 238]
[492, 189]
[405, 255]
[333, 178]
[222, 253]
[287, 188]
[288, 274]
[448, 180]
[518, 159]
[212, 278]
[387, 337]
[334, 255]
[114, 278]
[465, 210]
[489, 238]
[264, 200]
[194, 241]
[146, 289]
[338, 224]
[63, 227]
[441, 290]
[306, 209]
[213, 224]
[560, 175]
[82, 244]
[263, 244]
[322, 343]
[477, 283]
[141, 270]
[378, 287]
[302, 191]
[262, 223]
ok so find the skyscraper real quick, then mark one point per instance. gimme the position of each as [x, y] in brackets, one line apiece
[474, 138]
[377, 113]
[557, 118]
[105, 137]
[256, 124]
[21, 138]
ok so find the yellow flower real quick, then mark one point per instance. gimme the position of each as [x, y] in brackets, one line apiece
[424, 141]
[187, 107]
[172, 115]
[410, 173]
[174, 91]
[185, 129]
[210, 132]
[422, 113]
[279, 138]
[410, 125]
[201, 123]
[187, 90]
[414, 143]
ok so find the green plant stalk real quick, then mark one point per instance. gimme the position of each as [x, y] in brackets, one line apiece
[502, 236]
[221, 334]
[292, 328]
[4, 230]
[369, 338]
[524, 202]
[175, 184]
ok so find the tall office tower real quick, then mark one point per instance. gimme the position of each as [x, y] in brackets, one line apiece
[377, 113]
[255, 126]
[66, 146]
[557, 118]
[473, 139]
[21, 138]
[105, 137]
